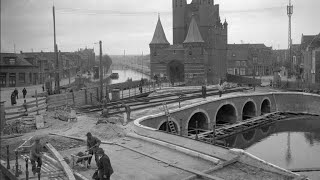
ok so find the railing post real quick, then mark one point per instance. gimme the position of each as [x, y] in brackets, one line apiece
[36, 93]
[17, 164]
[85, 96]
[179, 101]
[27, 170]
[8, 157]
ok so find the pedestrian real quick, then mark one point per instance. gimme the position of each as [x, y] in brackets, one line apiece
[105, 169]
[24, 92]
[36, 156]
[42, 88]
[220, 88]
[16, 93]
[13, 98]
[93, 144]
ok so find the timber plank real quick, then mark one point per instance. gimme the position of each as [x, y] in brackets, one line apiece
[65, 166]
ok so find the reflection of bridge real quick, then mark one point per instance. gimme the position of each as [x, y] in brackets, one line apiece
[232, 109]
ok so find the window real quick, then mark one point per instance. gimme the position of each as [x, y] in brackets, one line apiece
[237, 63]
[3, 79]
[242, 71]
[255, 59]
[12, 61]
[30, 78]
[294, 60]
[236, 71]
[12, 79]
[243, 63]
[22, 78]
[230, 71]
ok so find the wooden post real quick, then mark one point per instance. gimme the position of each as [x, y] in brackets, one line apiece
[135, 91]
[2, 116]
[37, 102]
[129, 91]
[97, 93]
[181, 128]
[8, 157]
[74, 103]
[85, 96]
[179, 101]
[196, 130]
[91, 97]
[122, 93]
[214, 134]
[17, 164]
[27, 170]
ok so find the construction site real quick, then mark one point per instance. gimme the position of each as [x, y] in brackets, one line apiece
[145, 135]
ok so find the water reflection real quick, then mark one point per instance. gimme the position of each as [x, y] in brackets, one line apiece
[125, 74]
[288, 144]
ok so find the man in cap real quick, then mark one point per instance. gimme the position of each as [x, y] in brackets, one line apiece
[104, 165]
[36, 155]
[93, 144]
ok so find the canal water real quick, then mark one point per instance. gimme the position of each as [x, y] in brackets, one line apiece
[125, 74]
[291, 143]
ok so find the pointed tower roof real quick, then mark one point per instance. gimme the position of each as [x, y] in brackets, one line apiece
[159, 36]
[193, 33]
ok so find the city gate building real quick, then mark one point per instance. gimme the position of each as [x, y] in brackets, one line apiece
[198, 54]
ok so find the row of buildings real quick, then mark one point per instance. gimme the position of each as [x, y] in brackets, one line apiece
[32, 68]
[200, 52]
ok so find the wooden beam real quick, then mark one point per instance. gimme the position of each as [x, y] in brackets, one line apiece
[220, 166]
[304, 169]
[66, 168]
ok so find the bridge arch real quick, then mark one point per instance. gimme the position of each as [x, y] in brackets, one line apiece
[226, 113]
[265, 106]
[249, 109]
[201, 116]
[163, 125]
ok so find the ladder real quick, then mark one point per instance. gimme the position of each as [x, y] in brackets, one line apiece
[170, 123]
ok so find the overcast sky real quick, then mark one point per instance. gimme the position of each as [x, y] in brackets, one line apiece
[129, 24]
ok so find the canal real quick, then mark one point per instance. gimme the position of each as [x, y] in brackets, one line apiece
[125, 74]
[291, 144]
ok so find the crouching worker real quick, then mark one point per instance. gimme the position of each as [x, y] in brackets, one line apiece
[36, 156]
[93, 144]
[104, 166]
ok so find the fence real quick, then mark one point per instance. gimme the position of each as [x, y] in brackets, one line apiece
[91, 96]
[28, 108]
[297, 85]
[243, 80]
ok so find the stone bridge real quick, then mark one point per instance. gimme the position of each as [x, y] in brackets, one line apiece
[231, 109]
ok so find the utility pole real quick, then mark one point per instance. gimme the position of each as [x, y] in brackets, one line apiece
[57, 79]
[289, 13]
[142, 64]
[101, 75]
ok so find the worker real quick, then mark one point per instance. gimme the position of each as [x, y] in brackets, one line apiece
[93, 144]
[36, 155]
[104, 165]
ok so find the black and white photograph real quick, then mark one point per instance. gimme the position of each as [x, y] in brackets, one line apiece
[160, 89]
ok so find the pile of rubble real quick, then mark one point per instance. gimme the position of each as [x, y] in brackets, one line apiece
[66, 114]
[22, 125]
